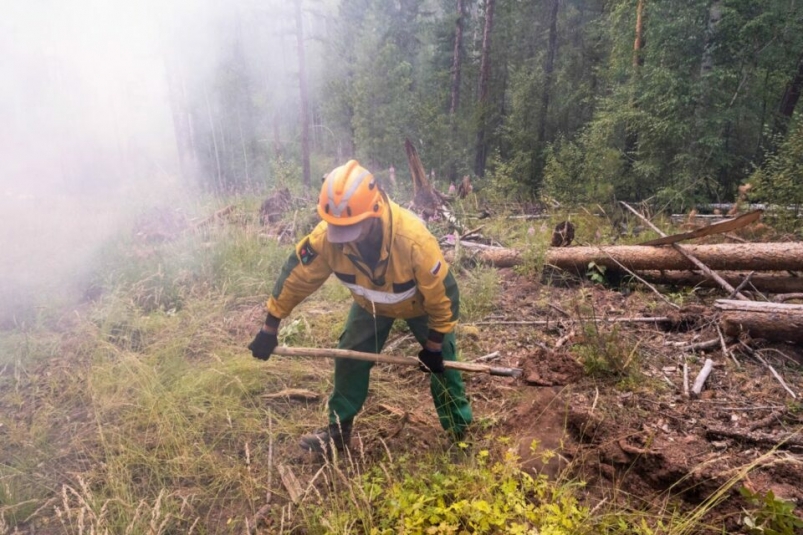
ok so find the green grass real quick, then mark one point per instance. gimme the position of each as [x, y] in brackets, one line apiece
[479, 290]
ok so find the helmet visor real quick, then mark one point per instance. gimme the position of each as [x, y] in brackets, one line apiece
[344, 233]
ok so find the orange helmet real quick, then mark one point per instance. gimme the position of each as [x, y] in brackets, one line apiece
[349, 195]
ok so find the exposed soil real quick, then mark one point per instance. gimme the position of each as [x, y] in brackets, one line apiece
[636, 436]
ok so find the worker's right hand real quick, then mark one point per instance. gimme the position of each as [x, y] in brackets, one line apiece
[430, 361]
[263, 344]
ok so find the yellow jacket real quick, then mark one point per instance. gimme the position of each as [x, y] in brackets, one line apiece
[416, 281]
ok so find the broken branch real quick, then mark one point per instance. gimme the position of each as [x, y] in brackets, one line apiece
[702, 376]
[690, 257]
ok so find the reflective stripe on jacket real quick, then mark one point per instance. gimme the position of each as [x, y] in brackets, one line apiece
[417, 279]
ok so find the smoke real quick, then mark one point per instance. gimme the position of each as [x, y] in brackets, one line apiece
[85, 134]
[108, 107]
[83, 99]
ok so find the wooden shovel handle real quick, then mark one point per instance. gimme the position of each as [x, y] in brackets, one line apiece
[392, 359]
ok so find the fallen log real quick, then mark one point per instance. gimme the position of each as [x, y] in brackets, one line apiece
[728, 256]
[547, 323]
[791, 296]
[772, 321]
[769, 282]
[500, 257]
[756, 306]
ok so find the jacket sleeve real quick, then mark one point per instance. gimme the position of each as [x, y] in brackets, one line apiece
[437, 284]
[303, 273]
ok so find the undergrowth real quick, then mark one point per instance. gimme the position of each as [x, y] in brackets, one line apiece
[484, 493]
[140, 411]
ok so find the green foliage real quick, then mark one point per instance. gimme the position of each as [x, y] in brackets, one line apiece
[596, 273]
[480, 496]
[533, 254]
[607, 354]
[504, 181]
[293, 332]
[772, 516]
[780, 179]
[685, 120]
[285, 175]
[583, 171]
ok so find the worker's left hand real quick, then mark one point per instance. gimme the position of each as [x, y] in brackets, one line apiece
[431, 361]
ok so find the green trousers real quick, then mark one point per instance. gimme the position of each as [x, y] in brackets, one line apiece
[367, 333]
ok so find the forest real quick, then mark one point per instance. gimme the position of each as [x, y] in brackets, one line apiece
[615, 185]
[679, 102]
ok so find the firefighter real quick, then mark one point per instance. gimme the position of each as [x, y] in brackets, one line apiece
[394, 269]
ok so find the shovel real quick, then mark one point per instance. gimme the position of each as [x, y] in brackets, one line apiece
[393, 359]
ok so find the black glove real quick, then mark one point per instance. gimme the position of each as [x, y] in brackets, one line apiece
[263, 345]
[431, 361]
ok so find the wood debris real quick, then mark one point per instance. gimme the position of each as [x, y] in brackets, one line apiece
[290, 482]
[298, 394]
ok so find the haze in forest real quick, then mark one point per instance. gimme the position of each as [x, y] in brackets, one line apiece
[87, 136]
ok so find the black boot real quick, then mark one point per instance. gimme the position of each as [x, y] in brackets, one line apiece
[321, 440]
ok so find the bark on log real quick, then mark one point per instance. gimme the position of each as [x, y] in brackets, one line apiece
[774, 283]
[728, 256]
[772, 321]
[760, 307]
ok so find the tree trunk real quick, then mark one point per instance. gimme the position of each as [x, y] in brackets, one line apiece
[638, 44]
[774, 283]
[772, 321]
[631, 134]
[549, 66]
[457, 58]
[738, 256]
[790, 98]
[714, 16]
[244, 150]
[182, 123]
[485, 70]
[302, 87]
[214, 141]
[456, 63]
[278, 148]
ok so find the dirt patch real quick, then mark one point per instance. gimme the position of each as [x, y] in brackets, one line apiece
[539, 423]
[639, 436]
[551, 368]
